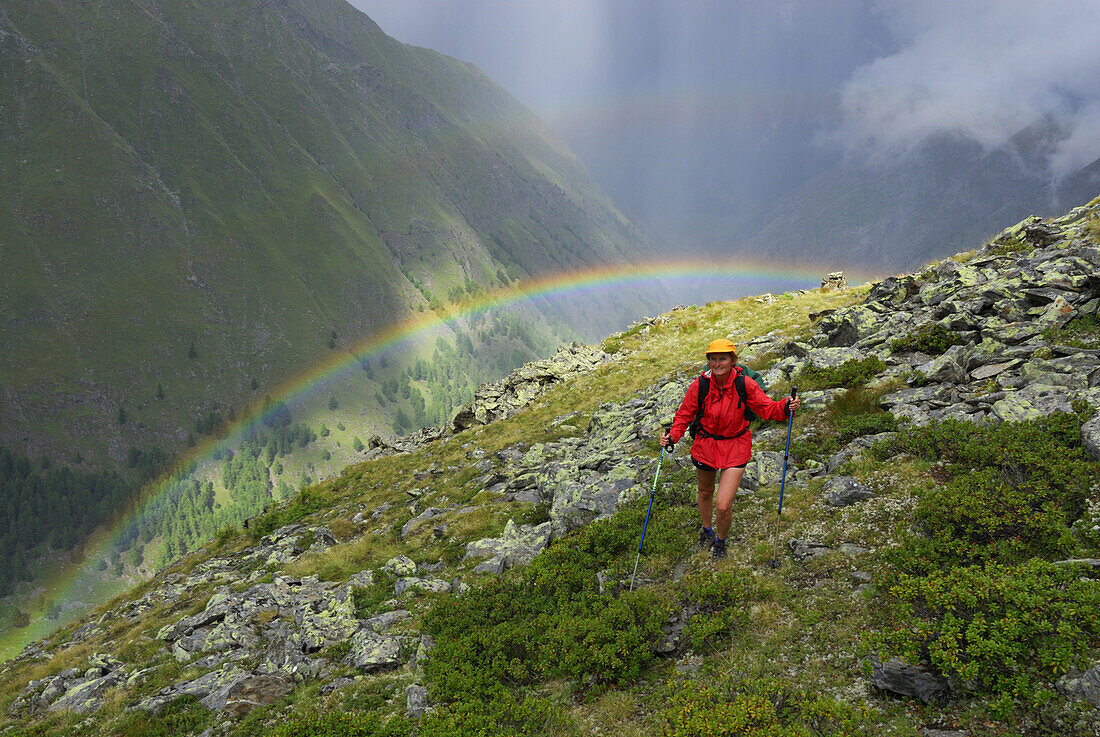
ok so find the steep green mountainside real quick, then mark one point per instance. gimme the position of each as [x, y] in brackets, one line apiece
[199, 199]
[937, 548]
[942, 197]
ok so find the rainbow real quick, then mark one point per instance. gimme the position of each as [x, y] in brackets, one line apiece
[78, 586]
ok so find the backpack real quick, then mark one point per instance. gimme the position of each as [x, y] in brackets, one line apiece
[696, 425]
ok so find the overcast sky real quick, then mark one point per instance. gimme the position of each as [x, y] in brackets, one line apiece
[694, 115]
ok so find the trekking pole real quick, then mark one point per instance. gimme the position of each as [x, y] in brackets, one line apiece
[647, 511]
[774, 562]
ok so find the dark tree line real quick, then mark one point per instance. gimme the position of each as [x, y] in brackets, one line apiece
[57, 507]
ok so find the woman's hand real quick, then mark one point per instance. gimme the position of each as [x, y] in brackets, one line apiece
[794, 404]
[666, 440]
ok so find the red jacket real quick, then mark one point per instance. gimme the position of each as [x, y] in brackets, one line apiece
[724, 415]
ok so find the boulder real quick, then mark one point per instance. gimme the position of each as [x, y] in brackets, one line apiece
[899, 677]
[517, 545]
[87, 696]
[245, 695]
[843, 491]
[399, 566]
[416, 701]
[1082, 685]
[372, 652]
[804, 550]
[1090, 437]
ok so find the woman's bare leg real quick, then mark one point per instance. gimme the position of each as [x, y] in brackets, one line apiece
[705, 498]
[727, 490]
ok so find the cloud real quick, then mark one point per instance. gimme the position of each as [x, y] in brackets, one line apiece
[981, 69]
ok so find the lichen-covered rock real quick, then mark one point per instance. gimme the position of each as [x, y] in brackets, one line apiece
[517, 545]
[399, 566]
[211, 689]
[507, 396]
[416, 701]
[249, 693]
[1082, 685]
[804, 550]
[427, 585]
[371, 651]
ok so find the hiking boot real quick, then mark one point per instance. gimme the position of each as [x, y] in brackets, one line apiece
[718, 550]
[706, 537]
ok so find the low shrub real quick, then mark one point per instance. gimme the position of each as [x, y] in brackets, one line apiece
[851, 374]
[932, 339]
[1082, 332]
[762, 708]
[308, 501]
[341, 724]
[854, 426]
[1006, 493]
[999, 629]
[720, 602]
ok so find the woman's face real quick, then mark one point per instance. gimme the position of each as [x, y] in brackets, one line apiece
[720, 364]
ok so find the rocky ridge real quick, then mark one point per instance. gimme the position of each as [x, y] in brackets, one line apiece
[262, 631]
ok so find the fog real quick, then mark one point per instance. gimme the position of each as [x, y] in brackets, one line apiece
[696, 115]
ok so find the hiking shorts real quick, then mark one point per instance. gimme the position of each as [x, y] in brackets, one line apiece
[704, 467]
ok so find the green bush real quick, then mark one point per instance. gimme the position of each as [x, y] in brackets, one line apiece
[764, 708]
[549, 621]
[1006, 493]
[719, 601]
[1082, 332]
[1000, 629]
[932, 339]
[341, 724]
[504, 716]
[851, 374]
[849, 428]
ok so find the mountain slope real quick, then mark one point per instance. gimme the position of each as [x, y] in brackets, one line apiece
[942, 197]
[195, 191]
[941, 509]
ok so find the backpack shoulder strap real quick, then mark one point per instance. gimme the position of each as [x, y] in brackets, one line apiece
[704, 388]
[739, 385]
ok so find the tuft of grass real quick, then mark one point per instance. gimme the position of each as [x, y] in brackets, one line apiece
[851, 374]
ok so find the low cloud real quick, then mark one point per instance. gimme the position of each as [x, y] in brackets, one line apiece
[981, 69]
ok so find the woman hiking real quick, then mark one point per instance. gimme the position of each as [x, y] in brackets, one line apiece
[722, 440]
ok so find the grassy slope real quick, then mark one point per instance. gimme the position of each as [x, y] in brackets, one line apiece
[781, 653]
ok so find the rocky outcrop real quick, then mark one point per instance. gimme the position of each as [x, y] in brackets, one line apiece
[506, 397]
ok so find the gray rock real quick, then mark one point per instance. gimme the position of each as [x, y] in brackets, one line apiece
[385, 620]
[87, 696]
[1090, 437]
[493, 566]
[416, 701]
[1082, 685]
[830, 357]
[427, 585]
[255, 691]
[843, 491]
[804, 550]
[211, 689]
[897, 676]
[517, 545]
[399, 566]
[372, 652]
[854, 449]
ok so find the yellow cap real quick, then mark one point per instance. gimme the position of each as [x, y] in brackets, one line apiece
[721, 346]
